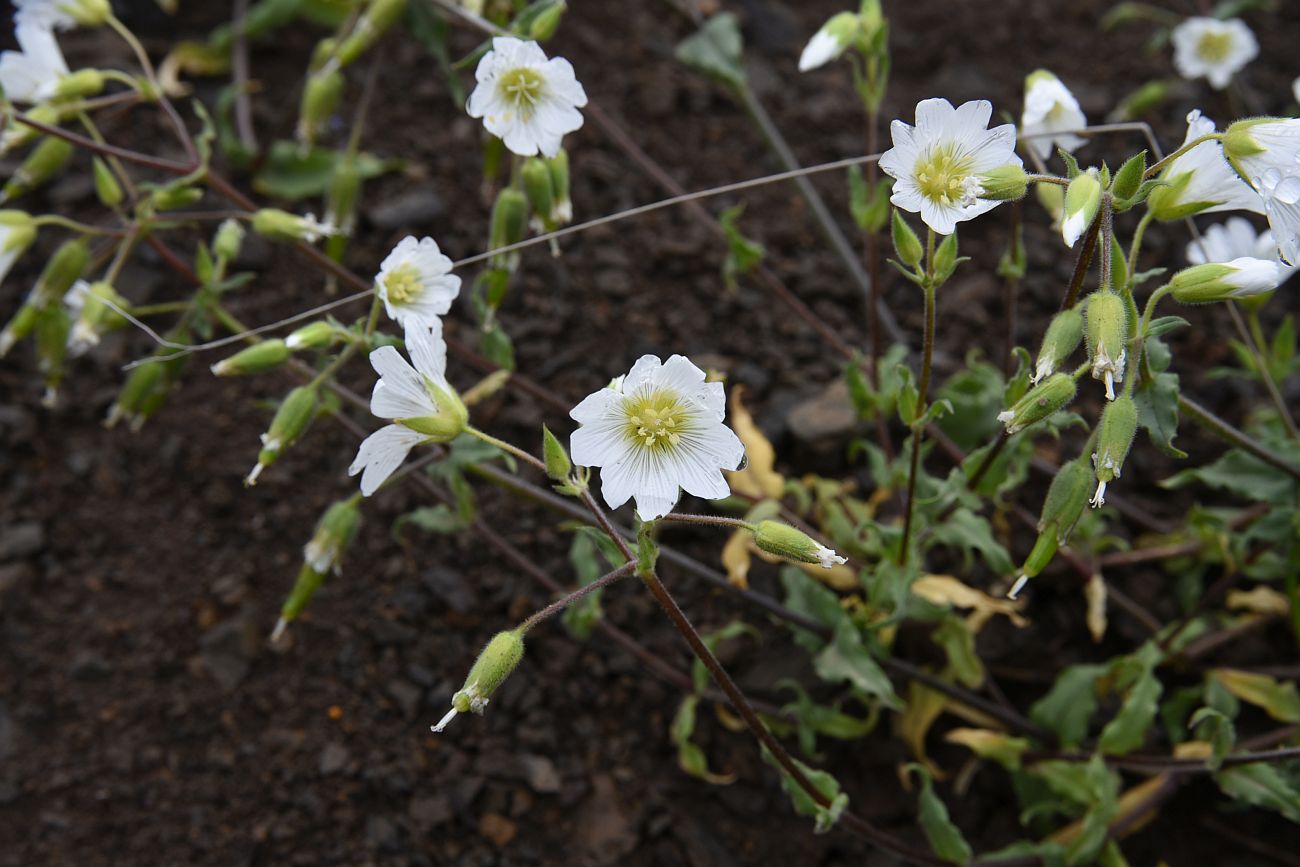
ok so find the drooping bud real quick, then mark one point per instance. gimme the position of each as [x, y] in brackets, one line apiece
[17, 233]
[345, 187]
[1052, 198]
[562, 210]
[1082, 200]
[281, 225]
[498, 659]
[87, 13]
[174, 198]
[451, 419]
[1039, 556]
[106, 185]
[320, 97]
[1004, 184]
[1241, 278]
[1114, 438]
[313, 335]
[263, 355]
[537, 184]
[1039, 402]
[547, 21]
[52, 327]
[1107, 334]
[41, 164]
[291, 419]
[228, 240]
[100, 312]
[907, 246]
[377, 18]
[321, 555]
[558, 464]
[509, 220]
[79, 84]
[1066, 498]
[792, 543]
[141, 394]
[1063, 336]
[945, 258]
[1239, 142]
[832, 40]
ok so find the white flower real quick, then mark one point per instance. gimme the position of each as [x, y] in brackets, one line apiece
[830, 41]
[415, 281]
[1108, 370]
[82, 337]
[47, 14]
[1235, 239]
[527, 101]
[32, 74]
[1250, 276]
[1212, 48]
[1282, 204]
[932, 161]
[659, 429]
[1050, 112]
[1202, 180]
[1266, 150]
[423, 405]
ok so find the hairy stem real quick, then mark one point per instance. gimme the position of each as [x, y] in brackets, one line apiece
[918, 430]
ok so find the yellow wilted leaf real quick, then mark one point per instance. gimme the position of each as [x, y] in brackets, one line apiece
[947, 590]
[1279, 700]
[1095, 592]
[923, 707]
[485, 387]
[1259, 600]
[1128, 805]
[998, 746]
[736, 559]
[757, 480]
[838, 577]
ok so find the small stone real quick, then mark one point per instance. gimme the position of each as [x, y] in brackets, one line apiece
[428, 813]
[88, 665]
[334, 758]
[540, 774]
[19, 541]
[14, 576]
[228, 648]
[412, 209]
[826, 420]
[497, 828]
[381, 832]
[406, 695]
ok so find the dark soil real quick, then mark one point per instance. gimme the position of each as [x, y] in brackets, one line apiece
[144, 719]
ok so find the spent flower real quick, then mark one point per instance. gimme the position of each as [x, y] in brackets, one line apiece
[937, 164]
[528, 101]
[655, 431]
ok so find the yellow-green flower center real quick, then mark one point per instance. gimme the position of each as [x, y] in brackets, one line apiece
[1214, 47]
[656, 420]
[521, 87]
[403, 284]
[940, 173]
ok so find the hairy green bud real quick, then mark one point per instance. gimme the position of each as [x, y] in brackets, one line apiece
[311, 336]
[1107, 335]
[1114, 438]
[43, 163]
[1082, 201]
[79, 84]
[1063, 337]
[558, 464]
[1225, 281]
[498, 659]
[1066, 498]
[106, 185]
[1039, 402]
[907, 246]
[228, 240]
[537, 184]
[294, 414]
[320, 97]
[1004, 184]
[792, 543]
[263, 355]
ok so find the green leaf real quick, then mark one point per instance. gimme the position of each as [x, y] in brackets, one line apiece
[814, 600]
[804, 805]
[742, 253]
[498, 347]
[715, 50]
[1128, 730]
[870, 212]
[1165, 324]
[972, 532]
[813, 719]
[690, 757]
[945, 837]
[1157, 406]
[847, 658]
[585, 555]
[1242, 474]
[1129, 177]
[291, 174]
[699, 673]
[1070, 703]
[431, 519]
[1215, 727]
[1262, 785]
[958, 642]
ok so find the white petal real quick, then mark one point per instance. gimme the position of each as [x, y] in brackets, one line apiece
[595, 406]
[381, 453]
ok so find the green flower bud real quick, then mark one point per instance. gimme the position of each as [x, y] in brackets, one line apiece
[281, 225]
[17, 135]
[547, 21]
[907, 246]
[320, 97]
[19, 326]
[1239, 142]
[1004, 184]
[63, 269]
[1063, 336]
[79, 84]
[106, 185]
[558, 465]
[1052, 198]
[314, 335]
[1039, 402]
[322, 53]
[1114, 438]
[792, 543]
[562, 211]
[140, 395]
[1241, 278]
[263, 355]
[175, 198]
[377, 18]
[493, 666]
[1107, 333]
[509, 219]
[100, 306]
[88, 13]
[1066, 498]
[1044, 550]
[537, 184]
[52, 327]
[345, 187]
[228, 240]
[45, 160]
[1082, 201]
[321, 555]
[450, 421]
[945, 258]
[296, 412]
